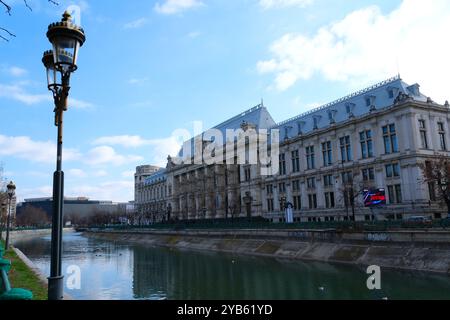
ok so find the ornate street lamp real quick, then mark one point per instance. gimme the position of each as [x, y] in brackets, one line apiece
[11, 191]
[66, 39]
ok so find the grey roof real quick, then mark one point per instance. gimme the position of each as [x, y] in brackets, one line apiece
[360, 103]
[378, 96]
[158, 176]
[258, 116]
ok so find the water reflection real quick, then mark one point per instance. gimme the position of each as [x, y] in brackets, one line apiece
[114, 270]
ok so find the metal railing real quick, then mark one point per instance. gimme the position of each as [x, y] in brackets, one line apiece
[265, 224]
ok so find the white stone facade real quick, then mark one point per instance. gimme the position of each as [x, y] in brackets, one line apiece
[372, 139]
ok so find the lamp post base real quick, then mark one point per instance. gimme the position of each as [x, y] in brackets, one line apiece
[56, 288]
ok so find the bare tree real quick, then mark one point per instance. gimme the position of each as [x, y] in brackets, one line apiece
[436, 173]
[350, 191]
[32, 217]
[5, 34]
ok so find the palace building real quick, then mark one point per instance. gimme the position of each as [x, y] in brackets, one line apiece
[354, 158]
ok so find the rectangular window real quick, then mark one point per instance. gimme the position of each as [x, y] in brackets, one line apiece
[329, 200]
[368, 174]
[365, 138]
[442, 140]
[395, 194]
[282, 187]
[310, 159]
[296, 185]
[282, 164]
[270, 207]
[398, 193]
[311, 182]
[347, 177]
[346, 149]
[247, 174]
[328, 180]
[396, 169]
[297, 203]
[391, 94]
[295, 161]
[423, 134]
[312, 201]
[269, 189]
[390, 139]
[327, 154]
[392, 170]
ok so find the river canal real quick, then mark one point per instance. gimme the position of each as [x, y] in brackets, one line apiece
[115, 271]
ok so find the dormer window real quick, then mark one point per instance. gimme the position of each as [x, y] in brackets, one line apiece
[331, 116]
[370, 102]
[286, 132]
[414, 89]
[316, 122]
[300, 127]
[392, 92]
[349, 107]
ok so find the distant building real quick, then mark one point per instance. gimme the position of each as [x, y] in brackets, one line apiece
[80, 206]
[151, 200]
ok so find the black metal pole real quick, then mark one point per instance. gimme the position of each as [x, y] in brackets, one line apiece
[56, 279]
[8, 221]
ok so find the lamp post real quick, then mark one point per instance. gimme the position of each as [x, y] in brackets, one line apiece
[11, 190]
[66, 39]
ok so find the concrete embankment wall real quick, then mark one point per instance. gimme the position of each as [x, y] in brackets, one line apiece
[420, 250]
[30, 234]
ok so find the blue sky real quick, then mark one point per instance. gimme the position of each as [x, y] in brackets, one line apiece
[151, 67]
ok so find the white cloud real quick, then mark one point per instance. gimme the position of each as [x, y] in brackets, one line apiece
[137, 80]
[16, 71]
[128, 174]
[17, 93]
[120, 191]
[79, 104]
[105, 155]
[160, 148]
[136, 24]
[38, 192]
[76, 173]
[124, 141]
[367, 46]
[35, 151]
[194, 34]
[100, 173]
[176, 6]
[269, 4]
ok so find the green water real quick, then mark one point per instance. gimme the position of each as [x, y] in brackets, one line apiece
[113, 270]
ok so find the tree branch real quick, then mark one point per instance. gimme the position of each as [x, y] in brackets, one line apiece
[26, 4]
[8, 7]
[8, 32]
[8, 12]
